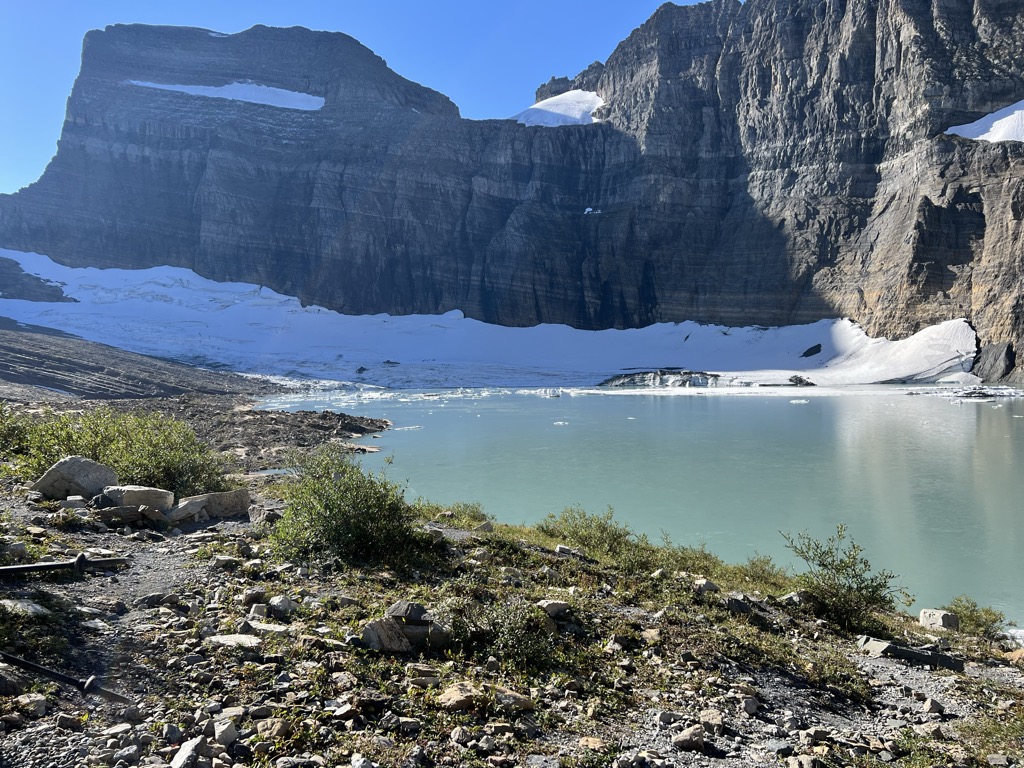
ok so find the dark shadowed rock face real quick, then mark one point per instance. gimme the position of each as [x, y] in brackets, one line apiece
[771, 162]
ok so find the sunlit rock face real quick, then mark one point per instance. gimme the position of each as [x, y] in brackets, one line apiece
[771, 162]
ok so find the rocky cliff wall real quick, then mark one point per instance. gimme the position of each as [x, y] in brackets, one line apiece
[771, 162]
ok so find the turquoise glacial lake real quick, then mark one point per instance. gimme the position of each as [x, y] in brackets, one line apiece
[930, 485]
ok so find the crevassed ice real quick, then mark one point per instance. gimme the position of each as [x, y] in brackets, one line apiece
[1005, 125]
[250, 92]
[569, 108]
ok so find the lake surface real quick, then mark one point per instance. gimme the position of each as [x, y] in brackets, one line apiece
[929, 485]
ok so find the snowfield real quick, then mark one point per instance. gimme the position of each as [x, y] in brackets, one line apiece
[247, 91]
[174, 313]
[569, 108]
[1005, 125]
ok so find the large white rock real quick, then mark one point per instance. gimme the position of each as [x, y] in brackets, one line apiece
[223, 504]
[933, 618]
[140, 495]
[75, 476]
[386, 635]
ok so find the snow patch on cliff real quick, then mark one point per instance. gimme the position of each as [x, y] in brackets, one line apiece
[249, 92]
[174, 313]
[1005, 125]
[569, 108]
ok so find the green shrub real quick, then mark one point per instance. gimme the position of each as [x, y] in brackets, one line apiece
[763, 573]
[514, 631]
[841, 580]
[981, 621]
[601, 537]
[336, 510]
[462, 514]
[13, 430]
[143, 449]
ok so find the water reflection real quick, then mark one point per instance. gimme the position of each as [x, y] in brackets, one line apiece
[930, 488]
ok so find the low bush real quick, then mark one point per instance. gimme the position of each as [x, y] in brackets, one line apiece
[842, 581]
[515, 631]
[336, 510]
[980, 621]
[461, 514]
[601, 537]
[143, 449]
[13, 430]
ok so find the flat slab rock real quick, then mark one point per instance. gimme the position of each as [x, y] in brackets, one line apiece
[880, 648]
[461, 696]
[140, 495]
[222, 504]
[234, 641]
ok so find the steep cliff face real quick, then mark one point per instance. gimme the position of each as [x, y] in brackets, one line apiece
[770, 162]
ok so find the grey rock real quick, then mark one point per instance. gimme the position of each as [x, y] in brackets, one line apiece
[31, 704]
[932, 618]
[554, 608]
[225, 732]
[234, 641]
[705, 587]
[409, 612]
[67, 722]
[25, 607]
[282, 607]
[736, 602]
[186, 756]
[215, 505]
[690, 740]
[138, 495]
[385, 635]
[75, 476]
[17, 551]
[932, 707]
[995, 361]
[880, 648]
[129, 755]
[12, 682]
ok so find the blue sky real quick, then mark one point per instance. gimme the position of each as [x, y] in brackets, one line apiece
[487, 57]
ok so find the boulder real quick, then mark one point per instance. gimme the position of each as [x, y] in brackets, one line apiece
[385, 635]
[409, 612]
[705, 587]
[932, 618]
[273, 729]
[459, 697]
[222, 504]
[511, 701]
[880, 648]
[25, 607]
[12, 682]
[690, 739]
[139, 495]
[282, 606]
[233, 641]
[186, 756]
[554, 608]
[31, 704]
[75, 476]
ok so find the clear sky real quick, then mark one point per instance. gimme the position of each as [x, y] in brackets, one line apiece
[487, 57]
